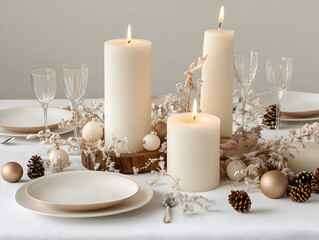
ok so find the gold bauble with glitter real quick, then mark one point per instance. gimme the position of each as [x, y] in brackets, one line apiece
[12, 172]
[274, 184]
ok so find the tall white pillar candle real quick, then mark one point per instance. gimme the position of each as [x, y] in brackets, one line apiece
[193, 151]
[127, 69]
[217, 74]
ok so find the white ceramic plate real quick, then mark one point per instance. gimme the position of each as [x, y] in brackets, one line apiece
[312, 118]
[6, 132]
[143, 196]
[296, 106]
[82, 190]
[30, 119]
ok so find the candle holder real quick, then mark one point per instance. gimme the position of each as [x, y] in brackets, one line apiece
[125, 163]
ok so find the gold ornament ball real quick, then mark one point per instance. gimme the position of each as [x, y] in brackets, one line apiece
[12, 172]
[161, 129]
[274, 184]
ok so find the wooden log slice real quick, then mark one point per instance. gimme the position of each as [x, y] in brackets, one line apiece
[126, 162]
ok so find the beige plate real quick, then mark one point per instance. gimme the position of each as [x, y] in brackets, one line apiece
[82, 190]
[143, 196]
[30, 119]
[295, 105]
[6, 132]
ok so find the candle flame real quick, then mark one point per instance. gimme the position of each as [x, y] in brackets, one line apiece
[194, 110]
[221, 17]
[129, 33]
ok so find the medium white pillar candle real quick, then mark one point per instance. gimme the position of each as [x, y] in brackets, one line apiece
[127, 69]
[193, 151]
[217, 74]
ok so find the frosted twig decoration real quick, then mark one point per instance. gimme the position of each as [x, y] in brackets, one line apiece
[246, 144]
[306, 133]
[85, 114]
[260, 155]
[186, 93]
[56, 165]
[50, 138]
[92, 149]
[188, 202]
[99, 147]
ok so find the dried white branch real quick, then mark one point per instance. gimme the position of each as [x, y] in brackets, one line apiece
[186, 93]
[187, 202]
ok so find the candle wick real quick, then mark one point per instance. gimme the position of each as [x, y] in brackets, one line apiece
[194, 117]
[219, 25]
[128, 41]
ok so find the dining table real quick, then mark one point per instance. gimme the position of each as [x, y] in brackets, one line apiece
[268, 218]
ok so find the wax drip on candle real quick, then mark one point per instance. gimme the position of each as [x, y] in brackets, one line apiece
[221, 17]
[194, 110]
[129, 33]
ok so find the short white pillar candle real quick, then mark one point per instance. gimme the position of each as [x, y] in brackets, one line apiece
[193, 151]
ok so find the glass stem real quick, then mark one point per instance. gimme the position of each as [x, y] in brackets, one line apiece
[75, 109]
[244, 94]
[45, 114]
[277, 116]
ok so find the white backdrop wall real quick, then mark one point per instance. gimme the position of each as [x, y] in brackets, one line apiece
[49, 33]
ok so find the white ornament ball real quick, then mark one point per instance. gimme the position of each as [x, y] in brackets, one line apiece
[60, 153]
[232, 169]
[92, 131]
[151, 142]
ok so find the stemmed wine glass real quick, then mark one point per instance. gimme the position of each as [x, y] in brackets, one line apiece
[43, 83]
[245, 67]
[278, 71]
[75, 78]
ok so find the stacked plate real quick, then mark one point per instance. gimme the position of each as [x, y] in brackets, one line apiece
[22, 121]
[83, 194]
[295, 106]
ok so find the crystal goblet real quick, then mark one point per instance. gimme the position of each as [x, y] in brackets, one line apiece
[245, 67]
[278, 72]
[43, 83]
[75, 78]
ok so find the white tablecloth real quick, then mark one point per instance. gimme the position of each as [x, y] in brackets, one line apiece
[268, 219]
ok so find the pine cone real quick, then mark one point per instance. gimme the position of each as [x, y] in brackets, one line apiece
[269, 119]
[315, 181]
[35, 167]
[240, 201]
[302, 178]
[300, 193]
